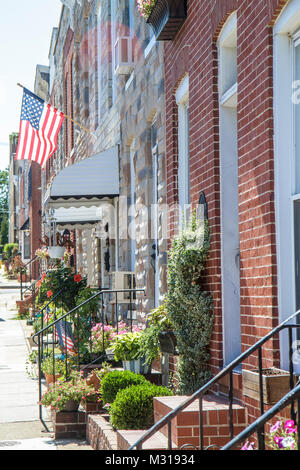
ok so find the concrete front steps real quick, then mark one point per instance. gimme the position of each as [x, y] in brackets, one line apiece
[185, 426]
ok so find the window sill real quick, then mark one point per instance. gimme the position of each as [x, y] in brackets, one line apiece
[229, 98]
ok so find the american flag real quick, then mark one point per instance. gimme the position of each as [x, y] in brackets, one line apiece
[63, 332]
[47, 315]
[39, 127]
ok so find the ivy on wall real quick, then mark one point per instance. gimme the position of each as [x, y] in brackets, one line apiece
[189, 306]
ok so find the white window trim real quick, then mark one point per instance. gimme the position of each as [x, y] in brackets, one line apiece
[228, 96]
[287, 23]
[182, 100]
[230, 275]
[182, 92]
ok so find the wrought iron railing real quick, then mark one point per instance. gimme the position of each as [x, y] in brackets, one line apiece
[210, 386]
[23, 269]
[49, 335]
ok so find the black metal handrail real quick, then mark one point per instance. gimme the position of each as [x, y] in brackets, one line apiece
[63, 318]
[22, 268]
[288, 399]
[199, 394]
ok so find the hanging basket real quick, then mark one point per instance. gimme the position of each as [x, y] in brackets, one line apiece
[167, 17]
[56, 251]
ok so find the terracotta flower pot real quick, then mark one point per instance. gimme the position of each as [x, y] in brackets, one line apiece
[50, 379]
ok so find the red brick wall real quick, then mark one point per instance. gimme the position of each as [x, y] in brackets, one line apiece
[194, 52]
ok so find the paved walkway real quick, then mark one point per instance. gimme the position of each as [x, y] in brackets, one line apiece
[20, 428]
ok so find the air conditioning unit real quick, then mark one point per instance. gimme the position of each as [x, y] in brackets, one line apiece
[121, 280]
[123, 52]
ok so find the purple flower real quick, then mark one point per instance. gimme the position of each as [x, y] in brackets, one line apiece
[278, 440]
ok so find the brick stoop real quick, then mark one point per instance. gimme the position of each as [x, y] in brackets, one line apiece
[100, 434]
[185, 426]
[125, 439]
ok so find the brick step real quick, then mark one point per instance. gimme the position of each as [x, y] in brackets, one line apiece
[185, 426]
[125, 439]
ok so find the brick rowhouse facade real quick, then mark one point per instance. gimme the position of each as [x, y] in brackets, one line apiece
[194, 52]
[121, 110]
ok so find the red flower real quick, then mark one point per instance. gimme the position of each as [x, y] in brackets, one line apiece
[43, 277]
[38, 284]
[77, 278]
[49, 293]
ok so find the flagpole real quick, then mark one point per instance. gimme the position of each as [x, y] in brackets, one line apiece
[70, 119]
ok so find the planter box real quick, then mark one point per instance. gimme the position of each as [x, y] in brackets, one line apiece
[137, 366]
[276, 384]
[69, 424]
[167, 17]
[91, 407]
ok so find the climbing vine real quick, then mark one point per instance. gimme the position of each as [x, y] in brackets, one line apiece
[189, 306]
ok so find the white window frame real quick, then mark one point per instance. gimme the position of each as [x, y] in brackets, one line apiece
[284, 161]
[99, 54]
[132, 209]
[154, 217]
[182, 101]
[230, 272]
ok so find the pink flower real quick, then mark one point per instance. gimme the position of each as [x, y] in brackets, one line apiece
[289, 424]
[275, 427]
[291, 430]
[248, 446]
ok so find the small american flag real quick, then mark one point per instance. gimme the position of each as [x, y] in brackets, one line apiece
[39, 127]
[47, 315]
[63, 332]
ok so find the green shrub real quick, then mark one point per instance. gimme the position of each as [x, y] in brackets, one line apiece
[133, 407]
[189, 307]
[10, 249]
[117, 380]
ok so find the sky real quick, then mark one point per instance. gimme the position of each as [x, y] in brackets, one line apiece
[25, 33]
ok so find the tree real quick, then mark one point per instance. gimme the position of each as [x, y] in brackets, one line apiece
[4, 230]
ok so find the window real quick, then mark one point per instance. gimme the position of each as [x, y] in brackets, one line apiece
[230, 268]
[112, 76]
[99, 60]
[132, 209]
[154, 212]
[287, 163]
[182, 100]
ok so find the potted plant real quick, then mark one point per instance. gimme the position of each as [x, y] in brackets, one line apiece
[67, 396]
[158, 336]
[283, 435]
[50, 364]
[127, 348]
[165, 16]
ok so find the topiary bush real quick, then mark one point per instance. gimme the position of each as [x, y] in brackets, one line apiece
[189, 306]
[117, 380]
[133, 407]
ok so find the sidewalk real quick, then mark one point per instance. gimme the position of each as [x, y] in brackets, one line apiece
[20, 428]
